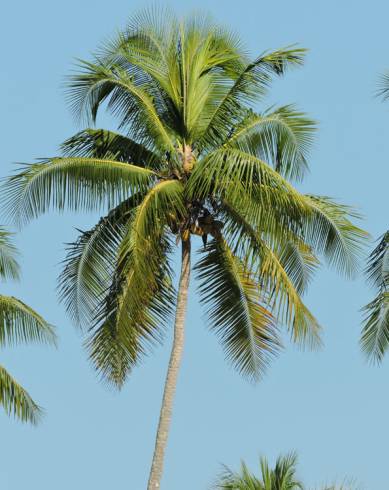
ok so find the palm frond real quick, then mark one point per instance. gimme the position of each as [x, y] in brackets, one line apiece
[90, 263]
[19, 324]
[281, 137]
[16, 401]
[141, 297]
[74, 183]
[378, 266]
[375, 332]
[236, 310]
[242, 480]
[9, 267]
[383, 89]
[299, 263]
[249, 85]
[329, 231]
[101, 143]
[278, 273]
[235, 171]
[129, 99]
[284, 474]
[134, 313]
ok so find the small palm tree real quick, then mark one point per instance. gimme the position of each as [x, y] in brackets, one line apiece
[375, 333]
[194, 159]
[281, 477]
[18, 324]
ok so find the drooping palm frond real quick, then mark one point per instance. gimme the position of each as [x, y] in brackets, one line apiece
[90, 263]
[73, 183]
[9, 268]
[16, 401]
[20, 323]
[375, 332]
[141, 297]
[378, 266]
[136, 309]
[278, 273]
[320, 222]
[236, 310]
[299, 263]
[330, 231]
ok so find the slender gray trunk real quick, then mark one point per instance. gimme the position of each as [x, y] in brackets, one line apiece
[172, 373]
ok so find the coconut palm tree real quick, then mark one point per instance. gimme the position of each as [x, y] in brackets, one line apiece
[281, 477]
[375, 332]
[194, 158]
[18, 324]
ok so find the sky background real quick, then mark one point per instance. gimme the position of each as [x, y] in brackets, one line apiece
[330, 406]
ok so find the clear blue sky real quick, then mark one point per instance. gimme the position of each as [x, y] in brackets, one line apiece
[329, 406]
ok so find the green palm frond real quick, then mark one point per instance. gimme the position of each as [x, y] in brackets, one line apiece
[133, 314]
[283, 476]
[248, 84]
[16, 401]
[279, 274]
[321, 223]
[141, 297]
[282, 137]
[164, 202]
[236, 310]
[101, 143]
[375, 332]
[299, 263]
[242, 480]
[378, 266]
[20, 323]
[9, 268]
[330, 231]
[90, 263]
[235, 171]
[73, 183]
[129, 99]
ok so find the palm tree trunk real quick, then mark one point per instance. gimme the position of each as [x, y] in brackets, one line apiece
[172, 373]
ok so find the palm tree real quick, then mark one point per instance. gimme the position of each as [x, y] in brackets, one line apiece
[375, 332]
[18, 324]
[194, 158]
[281, 477]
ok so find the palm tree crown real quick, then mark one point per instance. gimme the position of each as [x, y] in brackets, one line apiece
[281, 477]
[194, 158]
[18, 324]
